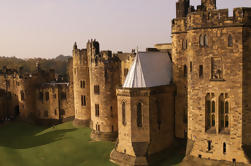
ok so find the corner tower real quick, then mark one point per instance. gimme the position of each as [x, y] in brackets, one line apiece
[81, 86]
[208, 4]
[104, 73]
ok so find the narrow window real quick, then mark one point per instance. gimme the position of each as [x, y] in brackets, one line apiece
[191, 66]
[230, 41]
[83, 84]
[207, 109]
[213, 120]
[96, 110]
[111, 112]
[96, 89]
[41, 96]
[47, 96]
[224, 148]
[201, 40]
[123, 114]
[226, 121]
[226, 107]
[83, 100]
[184, 44]
[205, 41]
[55, 112]
[213, 106]
[209, 145]
[139, 115]
[201, 71]
[185, 70]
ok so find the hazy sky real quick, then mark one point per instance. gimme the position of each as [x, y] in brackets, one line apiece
[47, 28]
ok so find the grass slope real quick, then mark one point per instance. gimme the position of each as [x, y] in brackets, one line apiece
[27, 145]
[22, 144]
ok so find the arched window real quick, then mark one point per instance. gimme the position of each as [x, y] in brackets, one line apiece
[205, 41]
[213, 120]
[223, 111]
[123, 114]
[185, 70]
[201, 41]
[230, 41]
[139, 115]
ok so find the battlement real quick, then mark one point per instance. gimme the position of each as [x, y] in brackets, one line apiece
[202, 19]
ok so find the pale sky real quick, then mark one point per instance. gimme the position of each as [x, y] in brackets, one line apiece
[47, 28]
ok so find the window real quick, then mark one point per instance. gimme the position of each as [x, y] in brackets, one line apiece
[55, 112]
[223, 112]
[22, 95]
[205, 41]
[185, 71]
[123, 113]
[201, 41]
[96, 89]
[47, 96]
[224, 148]
[201, 71]
[191, 66]
[209, 145]
[230, 41]
[210, 111]
[97, 110]
[111, 112]
[82, 84]
[63, 95]
[83, 100]
[98, 127]
[139, 115]
[125, 72]
[46, 113]
[184, 44]
[41, 96]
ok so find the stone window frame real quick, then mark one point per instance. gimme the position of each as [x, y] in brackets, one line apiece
[82, 84]
[203, 40]
[201, 72]
[224, 148]
[123, 113]
[185, 71]
[222, 68]
[210, 113]
[83, 100]
[184, 44]
[97, 113]
[96, 89]
[224, 114]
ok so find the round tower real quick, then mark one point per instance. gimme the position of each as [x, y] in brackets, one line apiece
[81, 87]
[104, 79]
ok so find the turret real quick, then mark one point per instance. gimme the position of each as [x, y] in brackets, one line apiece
[182, 7]
[208, 4]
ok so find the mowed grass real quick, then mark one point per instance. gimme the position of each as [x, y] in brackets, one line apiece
[22, 144]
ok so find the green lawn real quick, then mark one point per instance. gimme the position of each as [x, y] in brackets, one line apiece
[22, 144]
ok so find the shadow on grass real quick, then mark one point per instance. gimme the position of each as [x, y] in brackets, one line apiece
[21, 136]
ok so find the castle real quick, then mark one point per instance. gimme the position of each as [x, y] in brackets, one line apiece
[198, 88]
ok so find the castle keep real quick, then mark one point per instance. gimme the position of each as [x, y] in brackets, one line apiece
[198, 88]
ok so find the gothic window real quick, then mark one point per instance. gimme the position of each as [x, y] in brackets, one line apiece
[123, 113]
[216, 68]
[97, 110]
[83, 100]
[201, 71]
[139, 115]
[230, 41]
[47, 96]
[185, 71]
[205, 41]
[96, 89]
[82, 84]
[210, 114]
[223, 112]
[201, 41]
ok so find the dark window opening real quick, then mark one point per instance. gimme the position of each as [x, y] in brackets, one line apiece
[55, 112]
[124, 113]
[83, 100]
[230, 41]
[47, 96]
[185, 70]
[82, 84]
[96, 89]
[139, 115]
[201, 71]
[224, 148]
[209, 145]
[191, 66]
[97, 110]
[22, 95]
[41, 96]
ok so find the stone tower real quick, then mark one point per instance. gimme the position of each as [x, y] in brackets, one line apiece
[208, 4]
[210, 50]
[182, 8]
[103, 83]
[81, 86]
